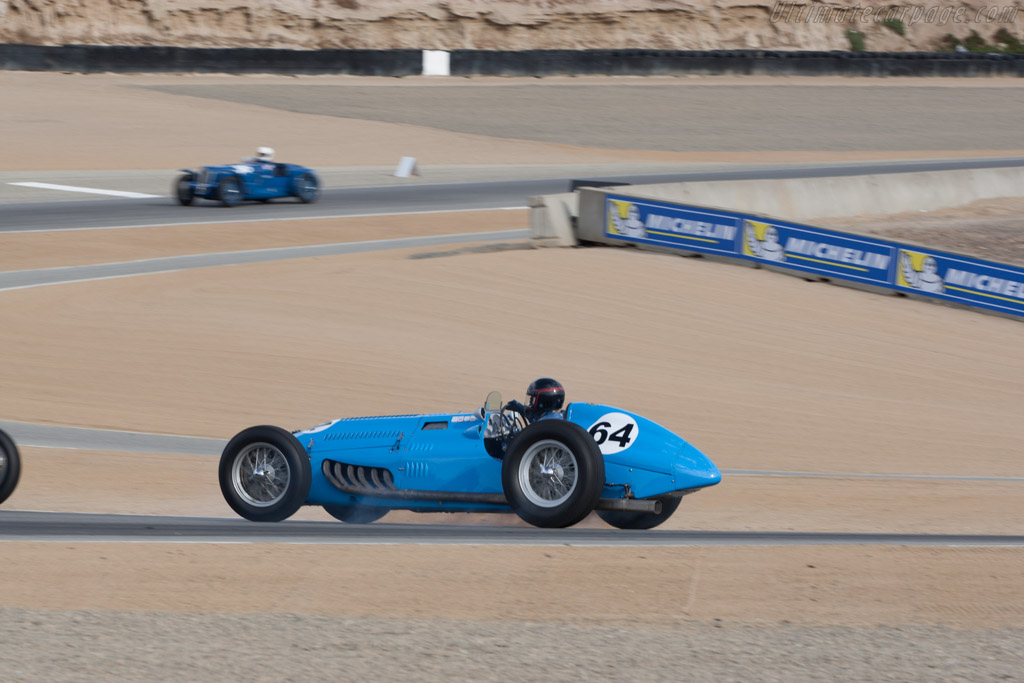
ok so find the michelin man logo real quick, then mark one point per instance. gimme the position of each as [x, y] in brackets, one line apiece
[624, 219]
[919, 271]
[761, 240]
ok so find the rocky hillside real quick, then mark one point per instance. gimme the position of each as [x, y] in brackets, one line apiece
[503, 24]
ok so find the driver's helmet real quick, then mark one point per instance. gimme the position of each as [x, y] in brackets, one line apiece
[264, 153]
[544, 395]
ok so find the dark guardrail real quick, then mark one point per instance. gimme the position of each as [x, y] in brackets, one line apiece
[742, 62]
[152, 59]
[155, 59]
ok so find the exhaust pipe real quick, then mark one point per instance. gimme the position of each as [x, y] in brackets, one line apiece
[630, 505]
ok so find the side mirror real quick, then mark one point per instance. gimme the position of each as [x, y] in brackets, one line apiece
[493, 402]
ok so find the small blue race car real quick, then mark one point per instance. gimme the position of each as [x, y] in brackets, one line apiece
[10, 466]
[551, 472]
[253, 179]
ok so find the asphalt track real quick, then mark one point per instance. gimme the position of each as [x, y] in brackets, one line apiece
[374, 200]
[71, 527]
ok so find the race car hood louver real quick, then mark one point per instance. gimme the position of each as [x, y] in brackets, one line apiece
[359, 479]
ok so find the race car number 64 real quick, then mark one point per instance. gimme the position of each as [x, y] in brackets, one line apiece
[614, 432]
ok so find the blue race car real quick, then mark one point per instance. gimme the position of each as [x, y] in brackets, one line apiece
[10, 466]
[552, 472]
[257, 179]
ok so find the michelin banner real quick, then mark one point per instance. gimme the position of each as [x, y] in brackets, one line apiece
[826, 253]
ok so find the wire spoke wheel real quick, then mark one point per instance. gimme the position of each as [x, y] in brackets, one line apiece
[264, 474]
[552, 474]
[548, 473]
[260, 475]
[10, 466]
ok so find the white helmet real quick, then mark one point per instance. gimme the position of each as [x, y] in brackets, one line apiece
[265, 153]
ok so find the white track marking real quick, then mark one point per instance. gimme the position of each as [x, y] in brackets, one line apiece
[87, 190]
[280, 219]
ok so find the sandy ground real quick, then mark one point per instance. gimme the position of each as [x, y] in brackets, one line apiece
[759, 370]
[990, 228]
[64, 122]
[27, 251]
[54, 121]
[871, 384]
[650, 586]
[681, 116]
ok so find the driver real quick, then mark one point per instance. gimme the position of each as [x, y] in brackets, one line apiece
[544, 399]
[264, 155]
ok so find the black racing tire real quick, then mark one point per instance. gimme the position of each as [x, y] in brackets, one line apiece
[183, 189]
[10, 466]
[355, 514]
[622, 519]
[553, 474]
[265, 474]
[229, 191]
[306, 188]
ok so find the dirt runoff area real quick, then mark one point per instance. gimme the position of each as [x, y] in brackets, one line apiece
[991, 229]
[206, 612]
[870, 385]
[759, 370]
[53, 121]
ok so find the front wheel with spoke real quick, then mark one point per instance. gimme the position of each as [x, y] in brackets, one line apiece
[553, 474]
[265, 474]
[306, 188]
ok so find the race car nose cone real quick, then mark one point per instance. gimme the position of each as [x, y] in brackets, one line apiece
[697, 470]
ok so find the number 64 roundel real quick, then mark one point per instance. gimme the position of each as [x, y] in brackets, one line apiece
[614, 432]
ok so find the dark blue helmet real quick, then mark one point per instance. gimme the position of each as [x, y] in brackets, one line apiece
[544, 395]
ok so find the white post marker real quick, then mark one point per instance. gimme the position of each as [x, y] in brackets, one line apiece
[407, 167]
[437, 63]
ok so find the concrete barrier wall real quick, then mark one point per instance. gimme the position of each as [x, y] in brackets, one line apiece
[155, 59]
[859, 195]
[553, 218]
[670, 218]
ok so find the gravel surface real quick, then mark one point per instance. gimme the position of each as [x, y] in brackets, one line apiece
[145, 646]
[990, 229]
[679, 117]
